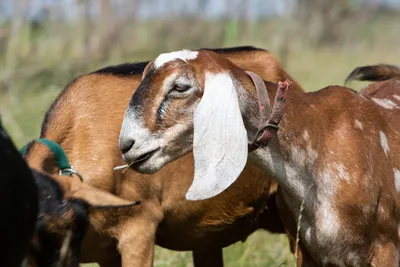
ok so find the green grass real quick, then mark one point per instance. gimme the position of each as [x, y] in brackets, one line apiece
[261, 250]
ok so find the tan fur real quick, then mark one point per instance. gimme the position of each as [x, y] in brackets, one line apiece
[86, 121]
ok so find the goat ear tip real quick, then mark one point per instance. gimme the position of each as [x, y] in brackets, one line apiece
[191, 196]
[195, 196]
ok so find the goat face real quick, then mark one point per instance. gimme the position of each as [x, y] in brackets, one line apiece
[188, 100]
[158, 125]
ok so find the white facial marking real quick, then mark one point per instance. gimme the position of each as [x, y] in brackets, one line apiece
[184, 55]
[396, 97]
[167, 84]
[163, 108]
[358, 124]
[384, 142]
[133, 123]
[385, 103]
[396, 173]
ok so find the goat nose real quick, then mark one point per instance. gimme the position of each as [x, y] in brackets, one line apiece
[126, 144]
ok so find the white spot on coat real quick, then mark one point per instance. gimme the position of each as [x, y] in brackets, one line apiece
[385, 103]
[303, 157]
[327, 222]
[342, 173]
[184, 55]
[396, 173]
[396, 97]
[306, 136]
[384, 142]
[358, 124]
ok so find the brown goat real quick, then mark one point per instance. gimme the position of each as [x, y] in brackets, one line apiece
[336, 155]
[85, 120]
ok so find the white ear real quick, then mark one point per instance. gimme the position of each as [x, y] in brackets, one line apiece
[220, 139]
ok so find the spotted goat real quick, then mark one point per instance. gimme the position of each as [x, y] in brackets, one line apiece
[336, 155]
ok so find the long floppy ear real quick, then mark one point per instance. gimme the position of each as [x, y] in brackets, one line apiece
[220, 138]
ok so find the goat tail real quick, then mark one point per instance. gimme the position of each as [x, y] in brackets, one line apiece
[380, 72]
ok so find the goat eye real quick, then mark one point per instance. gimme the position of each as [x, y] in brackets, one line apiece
[180, 88]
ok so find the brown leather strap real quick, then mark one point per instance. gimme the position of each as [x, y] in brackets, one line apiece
[271, 126]
[269, 122]
[262, 94]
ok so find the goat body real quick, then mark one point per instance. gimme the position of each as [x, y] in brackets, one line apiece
[336, 156]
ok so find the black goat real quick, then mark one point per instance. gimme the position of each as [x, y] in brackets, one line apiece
[18, 203]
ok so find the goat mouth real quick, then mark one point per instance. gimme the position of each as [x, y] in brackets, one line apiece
[142, 159]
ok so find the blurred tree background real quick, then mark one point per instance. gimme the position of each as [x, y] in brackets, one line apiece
[44, 44]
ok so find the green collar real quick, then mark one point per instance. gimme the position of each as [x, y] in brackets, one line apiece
[59, 155]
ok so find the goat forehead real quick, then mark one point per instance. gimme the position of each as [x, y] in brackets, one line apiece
[184, 55]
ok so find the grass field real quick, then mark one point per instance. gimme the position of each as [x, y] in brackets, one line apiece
[24, 104]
